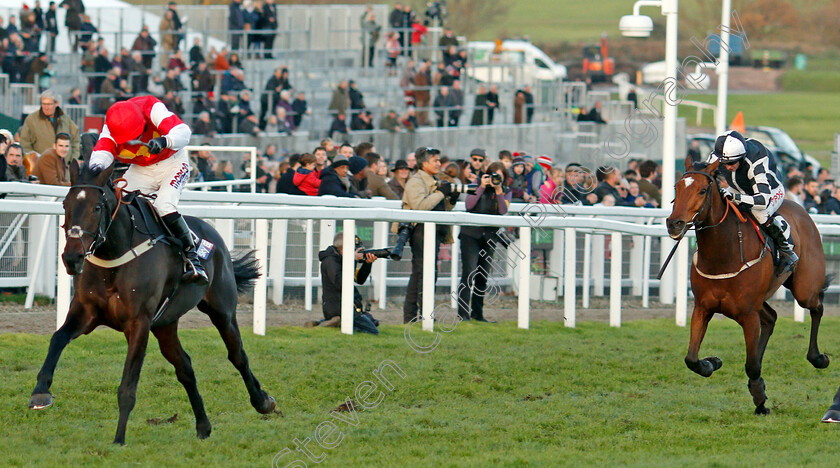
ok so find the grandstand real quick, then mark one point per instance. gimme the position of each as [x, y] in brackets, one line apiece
[321, 45]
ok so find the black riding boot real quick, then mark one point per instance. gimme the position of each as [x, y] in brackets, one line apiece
[194, 271]
[788, 258]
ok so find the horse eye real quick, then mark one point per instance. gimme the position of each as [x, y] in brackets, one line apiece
[98, 208]
[703, 192]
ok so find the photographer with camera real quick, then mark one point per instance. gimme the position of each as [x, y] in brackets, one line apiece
[424, 191]
[477, 243]
[331, 280]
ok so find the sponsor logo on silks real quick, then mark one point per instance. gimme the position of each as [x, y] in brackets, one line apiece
[777, 196]
[204, 249]
[180, 177]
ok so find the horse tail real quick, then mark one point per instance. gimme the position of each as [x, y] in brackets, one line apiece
[828, 279]
[246, 270]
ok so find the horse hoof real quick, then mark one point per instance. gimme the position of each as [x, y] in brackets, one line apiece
[39, 401]
[831, 416]
[268, 405]
[762, 411]
[203, 432]
[821, 362]
[715, 362]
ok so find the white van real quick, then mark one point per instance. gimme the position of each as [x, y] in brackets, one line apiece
[511, 60]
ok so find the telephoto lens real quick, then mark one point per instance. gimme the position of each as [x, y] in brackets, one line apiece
[458, 187]
[403, 232]
[496, 178]
[378, 253]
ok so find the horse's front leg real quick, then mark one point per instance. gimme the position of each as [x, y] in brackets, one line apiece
[137, 335]
[753, 340]
[79, 321]
[699, 322]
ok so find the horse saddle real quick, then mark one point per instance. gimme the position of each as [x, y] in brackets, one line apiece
[146, 219]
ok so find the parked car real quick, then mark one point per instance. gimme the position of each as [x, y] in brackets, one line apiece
[787, 150]
[512, 60]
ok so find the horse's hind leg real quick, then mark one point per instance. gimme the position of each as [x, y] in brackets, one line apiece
[817, 359]
[79, 321]
[170, 347]
[753, 334]
[808, 293]
[137, 335]
[225, 322]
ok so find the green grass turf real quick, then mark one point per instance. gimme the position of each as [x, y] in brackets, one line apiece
[810, 118]
[488, 395]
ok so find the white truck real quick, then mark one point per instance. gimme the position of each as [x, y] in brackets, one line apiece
[511, 61]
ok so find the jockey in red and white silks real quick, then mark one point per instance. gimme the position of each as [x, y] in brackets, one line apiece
[159, 168]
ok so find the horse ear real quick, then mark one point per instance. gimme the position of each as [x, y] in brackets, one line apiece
[104, 176]
[713, 167]
[74, 171]
[689, 165]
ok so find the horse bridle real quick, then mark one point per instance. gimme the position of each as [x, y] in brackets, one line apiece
[105, 221]
[693, 223]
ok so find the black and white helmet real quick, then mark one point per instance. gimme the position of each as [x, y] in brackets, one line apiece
[730, 147]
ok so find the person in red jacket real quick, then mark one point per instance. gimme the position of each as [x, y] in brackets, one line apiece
[160, 167]
[307, 178]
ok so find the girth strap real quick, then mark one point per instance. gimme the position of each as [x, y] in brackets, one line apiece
[130, 255]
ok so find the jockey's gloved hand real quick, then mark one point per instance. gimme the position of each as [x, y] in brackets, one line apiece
[726, 194]
[156, 145]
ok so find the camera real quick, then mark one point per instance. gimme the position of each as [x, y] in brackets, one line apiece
[496, 178]
[458, 187]
[394, 253]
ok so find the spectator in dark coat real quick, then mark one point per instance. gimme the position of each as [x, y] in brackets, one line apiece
[331, 183]
[362, 121]
[300, 108]
[286, 182]
[145, 44]
[338, 125]
[236, 23]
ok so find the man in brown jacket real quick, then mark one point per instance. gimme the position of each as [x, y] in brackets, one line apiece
[424, 192]
[647, 170]
[376, 183]
[40, 128]
[51, 167]
[422, 96]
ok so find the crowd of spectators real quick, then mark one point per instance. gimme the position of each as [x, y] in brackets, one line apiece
[208, 89]
[344, 170]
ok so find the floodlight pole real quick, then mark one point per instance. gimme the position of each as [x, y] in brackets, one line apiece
[669, 137]
[723, 68]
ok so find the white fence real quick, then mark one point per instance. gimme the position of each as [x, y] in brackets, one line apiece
[567, 222]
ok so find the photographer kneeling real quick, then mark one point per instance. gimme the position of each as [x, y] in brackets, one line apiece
[492, 198]
[331, 278]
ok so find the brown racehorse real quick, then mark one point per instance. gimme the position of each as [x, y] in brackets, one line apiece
[734, 276]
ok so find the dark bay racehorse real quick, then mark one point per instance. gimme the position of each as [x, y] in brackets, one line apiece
[732, 273]
[127, 297]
